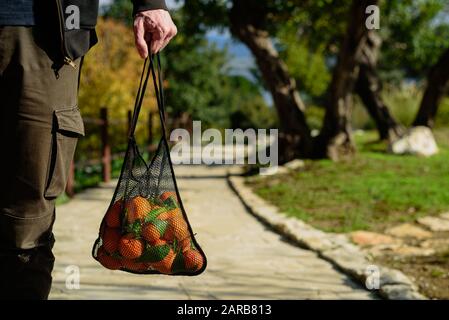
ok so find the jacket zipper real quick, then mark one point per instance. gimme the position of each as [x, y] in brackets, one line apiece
[67, 59]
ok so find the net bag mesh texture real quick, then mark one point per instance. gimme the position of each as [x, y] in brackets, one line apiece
[145, 229]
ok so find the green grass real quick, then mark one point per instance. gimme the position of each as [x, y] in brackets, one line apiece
[373, 190]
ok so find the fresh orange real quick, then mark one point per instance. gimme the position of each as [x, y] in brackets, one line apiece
[133, 265]
[185, 244]
[164, 266]
[107, 261]
[154, 230]
[155, 212]
[113, 215]
[137, 208]
[111, 238]
[169, 214]
[150, 233]
[160, 242]
[193, 260]
[177, 229]
[129, 247]
[168, 194]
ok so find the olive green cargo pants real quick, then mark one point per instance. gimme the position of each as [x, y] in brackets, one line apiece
[40, 125]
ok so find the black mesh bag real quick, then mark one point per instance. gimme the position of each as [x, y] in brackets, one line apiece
[145, 229]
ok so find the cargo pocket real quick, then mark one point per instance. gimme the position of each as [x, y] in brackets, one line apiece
[67, 128]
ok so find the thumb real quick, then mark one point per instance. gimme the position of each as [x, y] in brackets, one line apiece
[139, 36]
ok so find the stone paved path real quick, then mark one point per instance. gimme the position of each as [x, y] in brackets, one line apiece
[246, 261]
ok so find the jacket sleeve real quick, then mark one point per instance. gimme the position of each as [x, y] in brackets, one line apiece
[142, 5]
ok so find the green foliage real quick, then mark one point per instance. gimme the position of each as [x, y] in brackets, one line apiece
[314, 116]
[110, 77]
[415, 34]
[198, 82]
[442, 119]
[249, 107]
[119, 10]
[194, 86]
[403, 102]
[200, 15]
[360, 118]
[306, 64]
[320, 23]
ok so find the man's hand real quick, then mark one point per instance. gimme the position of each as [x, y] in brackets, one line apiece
[154, 27]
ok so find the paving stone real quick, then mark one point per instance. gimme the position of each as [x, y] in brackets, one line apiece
[336, 248]
[294, 164]
[245, 259]
[366, 238]
[445, 215]
[391, 276]
[435, 224]
[408, 230]
[381, 249]
[405, 250]
[400, 292]
[439, 244]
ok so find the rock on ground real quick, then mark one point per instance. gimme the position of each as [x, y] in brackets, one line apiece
[417, 141]
[367, 238]
[408, 230]
[435, 224]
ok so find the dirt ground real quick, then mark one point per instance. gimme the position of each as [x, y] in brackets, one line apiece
[430, 273]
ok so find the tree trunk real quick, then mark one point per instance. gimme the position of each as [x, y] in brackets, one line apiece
[335, 140]
[437, 86]
[369, 87]
[295, 134]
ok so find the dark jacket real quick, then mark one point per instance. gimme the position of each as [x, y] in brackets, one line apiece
[76, 42]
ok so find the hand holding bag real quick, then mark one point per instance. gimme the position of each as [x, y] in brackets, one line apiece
[145, 229]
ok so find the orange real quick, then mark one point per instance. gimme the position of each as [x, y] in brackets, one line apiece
[169, 214]
[107, 261]
[137, 208]
[168, 194]
[153, 231]
[113, 215]
[160, 242]
[155, 212]
[185, 244]
[133, 265]
[193, 260]
[164, 266]
[150, 233]
[129, 247]
[111, 238]
[177, 229]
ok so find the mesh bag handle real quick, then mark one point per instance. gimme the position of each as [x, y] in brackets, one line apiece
[145, 229]
[148, 68]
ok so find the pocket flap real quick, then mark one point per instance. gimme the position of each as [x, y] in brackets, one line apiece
[70, 121]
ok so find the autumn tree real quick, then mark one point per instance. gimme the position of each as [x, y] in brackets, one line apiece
[110, 76]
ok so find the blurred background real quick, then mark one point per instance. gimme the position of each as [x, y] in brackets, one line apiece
[368, 108]
[222, 72]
